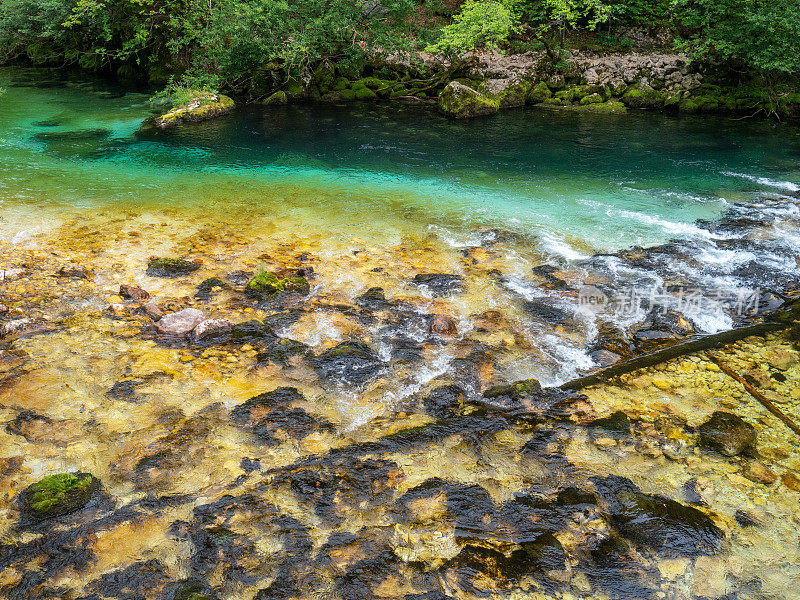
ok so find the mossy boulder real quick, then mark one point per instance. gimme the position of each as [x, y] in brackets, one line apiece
[592, 99]
[362, 92]
[566, 96]
[460, 101]
[277, 99]
[643, 98]
[539, 93]
[688, 106]
[58, 495]
[266, 285]
[201, 107]
[324, 76]
[170, 267]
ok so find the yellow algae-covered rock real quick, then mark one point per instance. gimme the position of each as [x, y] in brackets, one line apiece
[201, 107]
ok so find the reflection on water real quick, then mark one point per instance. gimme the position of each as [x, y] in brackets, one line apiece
[354, 443]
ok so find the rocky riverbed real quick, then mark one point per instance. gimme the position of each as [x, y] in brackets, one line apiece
[252, 409]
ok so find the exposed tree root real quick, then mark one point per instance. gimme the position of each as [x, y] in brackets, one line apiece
[696, 345]
[755, 393]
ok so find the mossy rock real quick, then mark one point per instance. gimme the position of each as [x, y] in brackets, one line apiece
[554, 102]
[266, 285]
[688, 106]
[646, 98]
[566, 96]
[539, 93]
[202, 106]
[294, 89]
[171, 267]
[364, 93]
[592, 99]
[324, 76]
[58, 495]
[373, 83]
[579, 92]
[460, 101]
[347, 95]
[341, 83]
[277, 99]
[515, 94]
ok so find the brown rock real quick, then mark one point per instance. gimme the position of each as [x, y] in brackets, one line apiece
[131, 292]
[443, 325]
[3, 309]
[791, 481]
[757, 471]
[75, 272]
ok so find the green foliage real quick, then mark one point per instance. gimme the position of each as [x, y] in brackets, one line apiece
[761, 34]
[479, 24]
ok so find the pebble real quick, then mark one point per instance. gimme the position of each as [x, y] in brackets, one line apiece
[605, 442]
[14, 326]
[10, 274]
[791, 481]
[3, 309]
[181, 322]
[581, 583]
[757, 471]
[710, 577]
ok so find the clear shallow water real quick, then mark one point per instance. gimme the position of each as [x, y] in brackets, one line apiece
[591, 182]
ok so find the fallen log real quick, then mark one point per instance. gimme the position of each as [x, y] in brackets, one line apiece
[700, 344]
[765, 402]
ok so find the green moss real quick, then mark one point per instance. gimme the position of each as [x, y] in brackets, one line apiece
[200, 106]
[170, 267]
[268, 284]
[364, 93]
[515, 94]
[646, 98]
[324, 76]
[592, 99]
[341, 83]
[294, 89]
[688, 106]
[539, 93]
[277, 98]
[566, 96]
[461, 101]
[59, 494]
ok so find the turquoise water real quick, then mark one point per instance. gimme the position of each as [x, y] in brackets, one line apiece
[576, 182]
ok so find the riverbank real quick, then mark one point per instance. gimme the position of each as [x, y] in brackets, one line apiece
[484, 83]
[259, 451]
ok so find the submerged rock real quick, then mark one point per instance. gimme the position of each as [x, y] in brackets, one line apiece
[658, 522]
[439, 284]
[373, 299]
[460, 101]
[212, 330]
[58, 495]
[132, 292]
[267, 285]
[206, 288]
[171, 267]
[258, 407]
[617, 424]
[252, 331]
[442, 401]
[349, 362]
[727, 434]
[180, 323]
[546, 553]
[282, 351]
